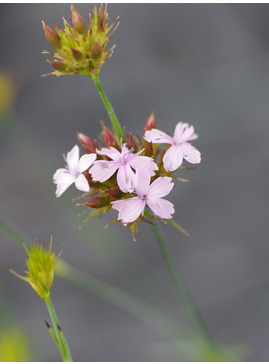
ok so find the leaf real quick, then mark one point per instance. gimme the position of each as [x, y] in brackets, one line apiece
[173, 223]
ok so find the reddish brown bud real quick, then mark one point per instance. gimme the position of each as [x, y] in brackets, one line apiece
[150, 123]
[101, 26]
[115, 193]
[52, 37]
[101, 13]
[97, 202]
[58, 66]
[76, 54]
[149, 150]
[77, 21]
[57, 27]
[131, 142]
[96, 50]
[88, 144]
[110, 141]
[101, 19]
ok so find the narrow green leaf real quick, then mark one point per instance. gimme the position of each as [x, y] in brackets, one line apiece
[173, 223]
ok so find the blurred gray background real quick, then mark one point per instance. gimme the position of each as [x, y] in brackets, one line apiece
[206, 64]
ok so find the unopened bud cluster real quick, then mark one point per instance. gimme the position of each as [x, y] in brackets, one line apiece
[130, 176]
[80, 50]
[40, 264]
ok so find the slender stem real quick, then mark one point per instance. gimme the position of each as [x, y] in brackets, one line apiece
[63, 346]
[111, 113]
[188, 305]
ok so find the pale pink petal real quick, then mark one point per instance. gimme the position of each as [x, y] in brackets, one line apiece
[125, 178]
[178, 132]
[111, 152]
[161, 207]
[142, 181]
[188, 133]
[72, 159]
[61, 188]
[102, 170]
[160, 187]
[157, 136]
[86, 161]
[191, 154]
[144, 161]
[192, 137]
[63, 176]
[181, 130]
[63, 179]
[117, 205]
[184, 132]
[59, 174]
[173, 158]
[82, 183]
[129, 209]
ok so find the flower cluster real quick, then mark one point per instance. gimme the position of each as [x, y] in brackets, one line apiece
[80, 50]
[131, 176]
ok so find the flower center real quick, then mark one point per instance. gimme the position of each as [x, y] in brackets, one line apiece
[74, 173]
[126, 157]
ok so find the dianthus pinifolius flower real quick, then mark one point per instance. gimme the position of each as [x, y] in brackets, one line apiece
[72, 173]
[147, 194]
[180, 148]
[124, 162]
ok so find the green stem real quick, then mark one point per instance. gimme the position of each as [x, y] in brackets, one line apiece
[62, 343]
[111, 113]
[188, 305]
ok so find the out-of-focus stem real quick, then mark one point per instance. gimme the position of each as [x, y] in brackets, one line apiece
[111, 113]
[187, 303]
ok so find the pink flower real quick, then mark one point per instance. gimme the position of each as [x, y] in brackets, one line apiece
[147, 194]
[72, 172]
[179, 149]
[124, 162]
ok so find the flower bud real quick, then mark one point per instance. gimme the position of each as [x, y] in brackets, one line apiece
[101, 13]
[58, 66]
[96, 50]
[115, 193]
[52, 37]
[76, 54]
[98, 202]
[40, 264]
[77, 21]
[150, 123]
[149, 150]
[131, 142]
[88, 144]
[110, 141]
[57, 27]
[101, 19]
